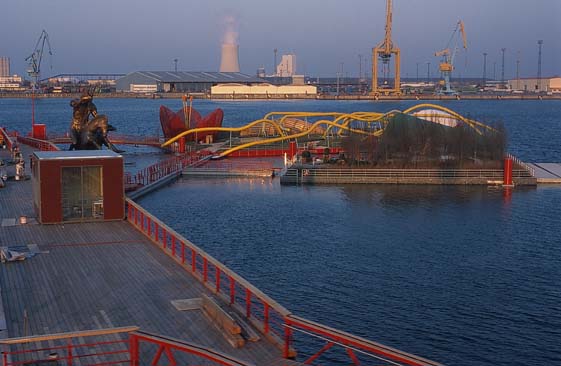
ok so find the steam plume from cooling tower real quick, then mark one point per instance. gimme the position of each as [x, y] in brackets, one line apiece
[230, 61]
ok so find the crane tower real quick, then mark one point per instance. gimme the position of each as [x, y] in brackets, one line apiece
[34, 70]
[448, 55]
[384, 52]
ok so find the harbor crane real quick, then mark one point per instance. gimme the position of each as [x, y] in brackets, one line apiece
[384, 51]
[34, 60]
[448, 55]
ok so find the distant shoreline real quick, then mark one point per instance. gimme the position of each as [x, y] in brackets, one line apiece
[239, 97]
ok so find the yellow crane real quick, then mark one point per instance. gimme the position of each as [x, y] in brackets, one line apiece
[448, 54]
[384, 52]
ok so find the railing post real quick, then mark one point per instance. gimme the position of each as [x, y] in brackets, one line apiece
[4, 359]
[287, 339]
[193, 260]
[133, 349]
[266, 317]
[69, 351]
[164, 238]
[218, 272]
[232, 290]
[173, 245]
[182, 253]
[156, 232]
[135, 217]
[205, 269]
[149, 223]
[247, 303]
[142, 221]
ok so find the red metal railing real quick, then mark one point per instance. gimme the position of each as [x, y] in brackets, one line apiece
[116, 346]
[272, 319]
[354, 346]
[41, 145]
[7, 138]
[161, 169]
[115, 138]
[259, 309]
[170, 347]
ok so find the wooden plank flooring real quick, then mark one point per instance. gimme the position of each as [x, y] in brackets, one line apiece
[99, 275]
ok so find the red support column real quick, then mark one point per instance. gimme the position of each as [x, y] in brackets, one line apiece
[507, 178]
[247, 302]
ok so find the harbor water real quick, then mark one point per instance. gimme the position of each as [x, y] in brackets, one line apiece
[462, 275]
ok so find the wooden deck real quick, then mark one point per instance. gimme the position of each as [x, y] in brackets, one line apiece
[99, 275]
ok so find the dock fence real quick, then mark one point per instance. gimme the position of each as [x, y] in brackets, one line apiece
[4, 136]
[38, 144]
[273, 320]
[263, 312]
[310, 174]
[159, 170]
[103, 347]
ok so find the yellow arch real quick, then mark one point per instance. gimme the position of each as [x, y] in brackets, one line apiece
[225, 129]
[340, 121]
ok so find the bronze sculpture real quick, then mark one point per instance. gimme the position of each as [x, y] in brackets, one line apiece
[86, 133]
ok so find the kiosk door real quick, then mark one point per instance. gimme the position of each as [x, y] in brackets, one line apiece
[82, 193]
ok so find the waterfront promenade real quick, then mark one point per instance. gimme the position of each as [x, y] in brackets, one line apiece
[99, 275]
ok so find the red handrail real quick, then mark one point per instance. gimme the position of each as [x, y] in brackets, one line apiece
[162, 169]
[262, 311]
[7, 138]
[68, 348]
[41, 145]
[272, 319]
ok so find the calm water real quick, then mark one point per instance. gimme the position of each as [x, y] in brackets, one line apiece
[462, 275]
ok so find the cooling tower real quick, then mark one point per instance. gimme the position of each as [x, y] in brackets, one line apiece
[229, 61]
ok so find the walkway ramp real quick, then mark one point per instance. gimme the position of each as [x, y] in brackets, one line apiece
[547, 173]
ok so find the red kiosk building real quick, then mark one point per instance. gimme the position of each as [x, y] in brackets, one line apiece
[77, 186]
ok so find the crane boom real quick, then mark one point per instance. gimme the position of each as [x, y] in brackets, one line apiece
[385, 51]
[388, 37]
[448, 55]
[36, 57]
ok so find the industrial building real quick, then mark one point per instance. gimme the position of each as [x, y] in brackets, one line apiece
[180, 81]
[4, 66]
[287, 66]
[535, 85]
[231, 90]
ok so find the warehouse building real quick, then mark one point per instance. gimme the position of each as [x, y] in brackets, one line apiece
[180, 81]
[535, 85]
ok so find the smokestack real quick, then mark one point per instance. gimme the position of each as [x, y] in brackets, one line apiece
[229, 61]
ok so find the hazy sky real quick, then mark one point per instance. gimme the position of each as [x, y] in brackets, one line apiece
[120, 36]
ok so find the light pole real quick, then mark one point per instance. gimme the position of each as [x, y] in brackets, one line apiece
[417, 72]
[175, 62]
[428, 72]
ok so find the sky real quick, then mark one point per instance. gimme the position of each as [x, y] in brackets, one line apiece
[327, 36]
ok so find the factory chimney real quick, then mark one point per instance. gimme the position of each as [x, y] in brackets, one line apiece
[229, 61]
